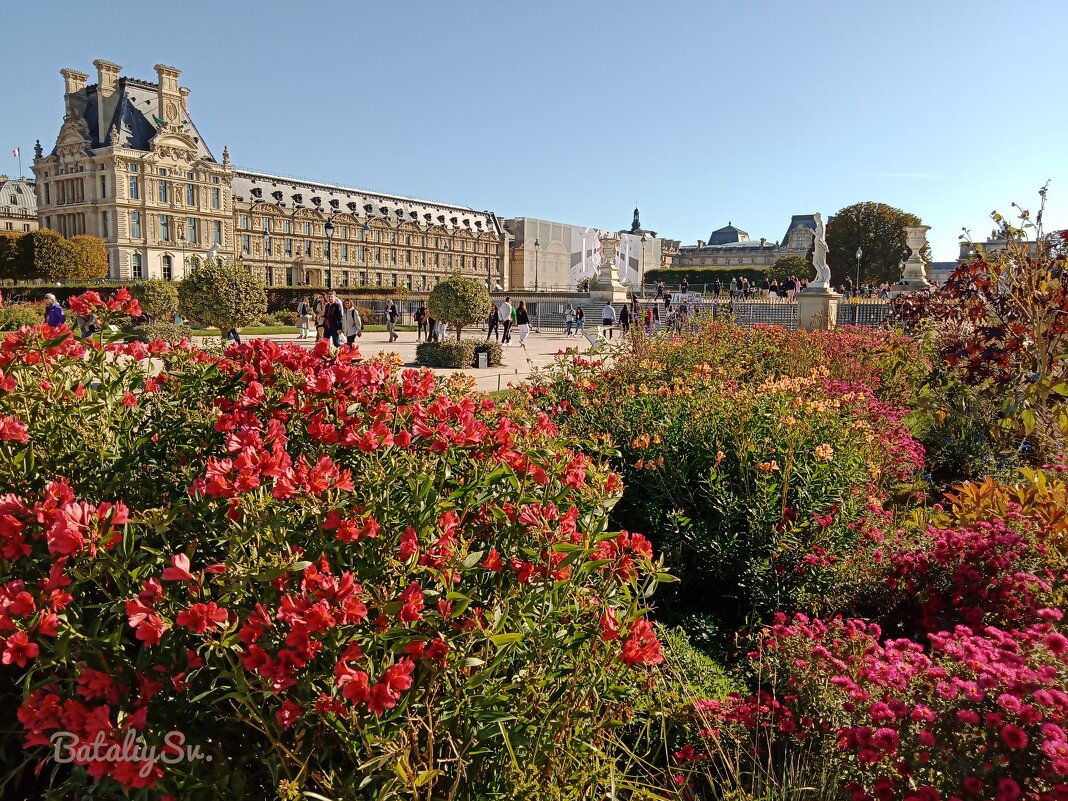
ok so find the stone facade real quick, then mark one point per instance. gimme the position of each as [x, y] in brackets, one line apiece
[18, 205]
[732, 247]
[130, 166]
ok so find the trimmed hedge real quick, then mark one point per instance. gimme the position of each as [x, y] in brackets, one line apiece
[450, 353]
[285, 298]
[16, 315]
[705, 275]
[150, 332]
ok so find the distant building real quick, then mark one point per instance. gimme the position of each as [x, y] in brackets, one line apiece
[558, 256]
[731, 247]
[18, 205]
[130, 166]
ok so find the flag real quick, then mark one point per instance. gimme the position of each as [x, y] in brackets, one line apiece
[15, 153]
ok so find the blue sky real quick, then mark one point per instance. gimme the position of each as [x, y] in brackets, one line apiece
[702, 112]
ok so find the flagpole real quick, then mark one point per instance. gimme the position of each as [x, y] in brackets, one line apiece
[19, 151]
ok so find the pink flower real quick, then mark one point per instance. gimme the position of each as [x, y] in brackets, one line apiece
[179, 571]
[886, 739]
[1014, 736]
[1056, 643]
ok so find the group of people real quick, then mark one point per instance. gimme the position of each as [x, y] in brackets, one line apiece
[333, 318]
[503, 319]
[426, 327]
[882, 291]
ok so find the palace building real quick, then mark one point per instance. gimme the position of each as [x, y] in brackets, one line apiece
[18, 205]
[732, 247]
[130, 166]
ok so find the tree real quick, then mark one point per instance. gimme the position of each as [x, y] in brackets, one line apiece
[90, 257]
[459, 301]
[10, 259]
[879, 231]
[48, 255]
[157, 297]
[791, 265]
[222, 295]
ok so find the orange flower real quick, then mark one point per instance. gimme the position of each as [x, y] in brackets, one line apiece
[641, 441]
[720, 456]
[768, 467]
[824, 452]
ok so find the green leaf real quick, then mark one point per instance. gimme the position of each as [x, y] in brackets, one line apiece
[1027, 417]
[505, 639]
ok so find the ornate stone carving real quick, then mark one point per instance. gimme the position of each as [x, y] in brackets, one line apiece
[113, 136]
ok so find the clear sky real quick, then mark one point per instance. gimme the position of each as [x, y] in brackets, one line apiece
[702, 112]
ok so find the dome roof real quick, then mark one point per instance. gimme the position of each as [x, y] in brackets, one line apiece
[18, 195]
[727, 235]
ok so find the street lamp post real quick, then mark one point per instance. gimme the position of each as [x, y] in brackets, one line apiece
[537, 247]
[856, 288]
[329, 228]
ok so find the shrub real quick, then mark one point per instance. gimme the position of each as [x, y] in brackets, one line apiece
[367, 315]
[15, 315]
[447, 353]
[10, 259]
[222, 296]
[337, 578]
[493, 349]
[151, 332]
[157, 297]
[459, 301]
[48, 255]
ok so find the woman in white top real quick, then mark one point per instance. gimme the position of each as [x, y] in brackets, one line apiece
[304, 315]
[351, 324]
[608, 319]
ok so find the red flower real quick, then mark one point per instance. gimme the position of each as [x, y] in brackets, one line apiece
[13, 430]
[492, 561]
[200, 617]
[609, 625]
[289, 713]
[18, 650]
[641, 646]
[1014, 736]
[411, 603]
[179, 571]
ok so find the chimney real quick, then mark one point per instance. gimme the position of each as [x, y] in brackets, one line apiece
[73, 82]
[763, 242]
[169, 105]
[107, 93]
[184, 92]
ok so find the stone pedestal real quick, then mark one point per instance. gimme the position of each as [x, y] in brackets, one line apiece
[608, 288]
[817, 311]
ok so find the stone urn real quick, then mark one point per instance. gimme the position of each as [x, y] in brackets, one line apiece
[914, 276]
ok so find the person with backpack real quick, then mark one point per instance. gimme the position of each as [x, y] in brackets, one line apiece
[392, 314]
[333, 319]
[351, 323]
[304, 315]
[318, 312]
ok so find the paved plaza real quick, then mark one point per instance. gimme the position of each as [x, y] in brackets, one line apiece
[539, 351]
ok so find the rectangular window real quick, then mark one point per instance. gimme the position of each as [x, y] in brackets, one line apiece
[167, 272]
[103, 186]
[162, 192]
[135, 187]
[393, 238]
[408, 256]
[104, 224]
[266, 225]
[463, 262]
[244, 221]
[164, 228]
[215, 197]
[246, 243]
[344, 232]
[48, 196]
[363, 278]
[162, 171]
[289, 276]
[326, 250]
[289, 247]
[286, 228]
[191, 230]
[133, 168]
[216, 232]
[307, 247]
[378, 255]
[378, 279]
[190, 194]
[345, 278]
[408, 281]
[360, 255]
[137, 271]
[393, 255]
[378, 235]
[344, 251]
[135, 225]
[393, 279]
[307, 229]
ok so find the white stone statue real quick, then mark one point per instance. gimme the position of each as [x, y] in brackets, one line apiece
[213, 254]
[822, 281]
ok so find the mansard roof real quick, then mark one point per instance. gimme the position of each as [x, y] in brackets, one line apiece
[135, 117]
[18, 195]
[727, 235]
[800, 220]
[293, 193]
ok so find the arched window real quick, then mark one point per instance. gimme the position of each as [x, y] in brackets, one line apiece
[136, 263]
[167, 271]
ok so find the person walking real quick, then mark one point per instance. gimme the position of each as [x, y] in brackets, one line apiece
[649, 321]
[431, 328]
[608, 320]
[318, 313]
[569, 320]
[421, 328]
[580, 321]
[624, 319]
[505, 312]
[659, 290]
[392, 313]
[53, 312]
[333, 319]
[493, 323]
[685, 286]
[351, 324]
[523, 321]
[304, 318]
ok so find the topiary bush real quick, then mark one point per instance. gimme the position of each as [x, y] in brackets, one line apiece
[493, 349]
[157, 297]
[459, 301]
[222, 296]
[15, 315]
[335, 578]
